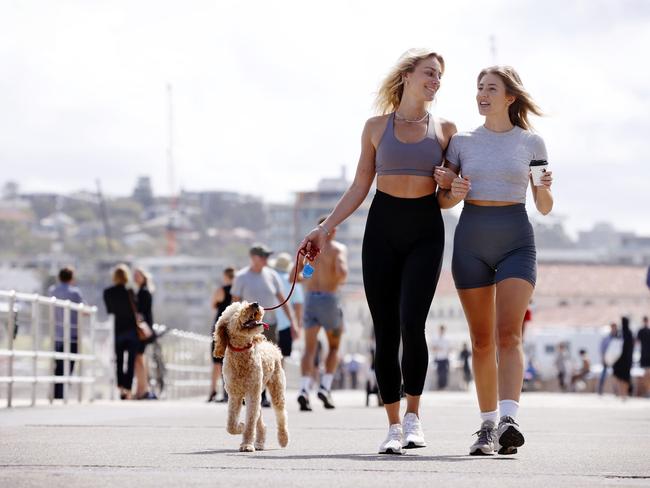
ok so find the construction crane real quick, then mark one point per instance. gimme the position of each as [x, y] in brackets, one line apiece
[172, 224]
[104, 215]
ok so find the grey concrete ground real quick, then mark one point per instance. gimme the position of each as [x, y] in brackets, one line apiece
[571, 440]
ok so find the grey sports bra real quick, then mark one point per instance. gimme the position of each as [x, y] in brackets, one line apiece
[394, 157]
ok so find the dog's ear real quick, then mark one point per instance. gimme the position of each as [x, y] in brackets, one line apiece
[221, 337]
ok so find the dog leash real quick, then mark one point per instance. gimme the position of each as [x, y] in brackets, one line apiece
[293, 285]
[301, 252]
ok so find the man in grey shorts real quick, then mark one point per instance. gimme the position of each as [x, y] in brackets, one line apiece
[323, 309]
[259, 283]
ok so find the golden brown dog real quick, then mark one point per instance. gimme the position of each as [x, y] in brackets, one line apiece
[250, 365]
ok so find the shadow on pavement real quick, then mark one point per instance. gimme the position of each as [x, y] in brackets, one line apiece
[352, 457]
[381, 457]
[212, 451]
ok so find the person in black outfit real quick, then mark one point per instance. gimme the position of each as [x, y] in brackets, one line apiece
[623, 365]
[143, 305]
[401, 254]
[465, 354]
[643, 336]
[220, 301]
[118, 302]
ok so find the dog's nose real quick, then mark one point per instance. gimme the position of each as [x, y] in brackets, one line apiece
[255, 305]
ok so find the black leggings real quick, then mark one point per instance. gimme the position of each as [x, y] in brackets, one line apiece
[402, 255]
[128, 343]
[59, 366]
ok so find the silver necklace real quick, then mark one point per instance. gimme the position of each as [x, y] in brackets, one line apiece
[400, 117]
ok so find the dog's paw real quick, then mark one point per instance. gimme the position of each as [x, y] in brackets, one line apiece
[247, 448]
[236, 429]
[259, 446]
[283, 438]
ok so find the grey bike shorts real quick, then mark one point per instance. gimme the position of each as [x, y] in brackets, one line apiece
[492, 244]
[323, 309]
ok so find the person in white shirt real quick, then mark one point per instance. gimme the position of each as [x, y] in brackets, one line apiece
[441, 351]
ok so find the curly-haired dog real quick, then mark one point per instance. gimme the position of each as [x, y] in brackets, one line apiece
[250, 365]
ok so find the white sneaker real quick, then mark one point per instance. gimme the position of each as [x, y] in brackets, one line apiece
[393, 442]
[484, 445]
[413, 435]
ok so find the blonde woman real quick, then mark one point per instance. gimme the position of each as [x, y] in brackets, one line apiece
[119, 303]
[494, 261]
[144, 306]
[404, 236]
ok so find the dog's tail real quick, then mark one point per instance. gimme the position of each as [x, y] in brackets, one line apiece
[220, 337]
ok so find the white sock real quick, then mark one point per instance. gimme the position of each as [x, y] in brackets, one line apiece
[508, 408]
[491, 416]
[326, 381]
[306, 384]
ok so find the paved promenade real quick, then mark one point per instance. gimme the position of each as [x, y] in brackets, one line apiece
[571, 441]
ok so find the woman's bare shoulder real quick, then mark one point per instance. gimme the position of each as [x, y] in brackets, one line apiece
[447, 125]
[377, 122]
[375, 127]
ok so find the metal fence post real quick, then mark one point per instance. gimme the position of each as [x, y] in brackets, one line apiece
[11, 323]
[66, 350]
[35, 346]
[80, 368]
[92, 366]
[52, 326]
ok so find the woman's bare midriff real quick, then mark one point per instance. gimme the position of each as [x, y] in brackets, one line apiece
[406, 186]
[490, 203]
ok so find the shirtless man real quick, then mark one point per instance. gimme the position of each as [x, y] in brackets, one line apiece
[323, 309]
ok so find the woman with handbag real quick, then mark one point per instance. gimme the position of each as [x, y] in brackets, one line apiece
[144, 305]
[119, 303]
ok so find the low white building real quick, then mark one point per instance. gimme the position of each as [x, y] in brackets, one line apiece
[184, 287]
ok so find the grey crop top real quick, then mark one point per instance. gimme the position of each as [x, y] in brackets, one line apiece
[394, 157]
[497, 163]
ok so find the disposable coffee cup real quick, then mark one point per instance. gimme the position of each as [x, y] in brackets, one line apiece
[537, 170]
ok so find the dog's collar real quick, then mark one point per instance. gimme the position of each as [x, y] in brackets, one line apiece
[240, 349]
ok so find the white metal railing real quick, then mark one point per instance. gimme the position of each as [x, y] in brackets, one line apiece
[25, 341]
[187, 362]
[181, 361]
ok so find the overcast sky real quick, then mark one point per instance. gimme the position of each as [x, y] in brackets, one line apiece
[271, 96]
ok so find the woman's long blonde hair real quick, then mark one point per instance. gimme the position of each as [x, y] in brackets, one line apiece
[523, 104]
[148, 281]
[391, 89]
